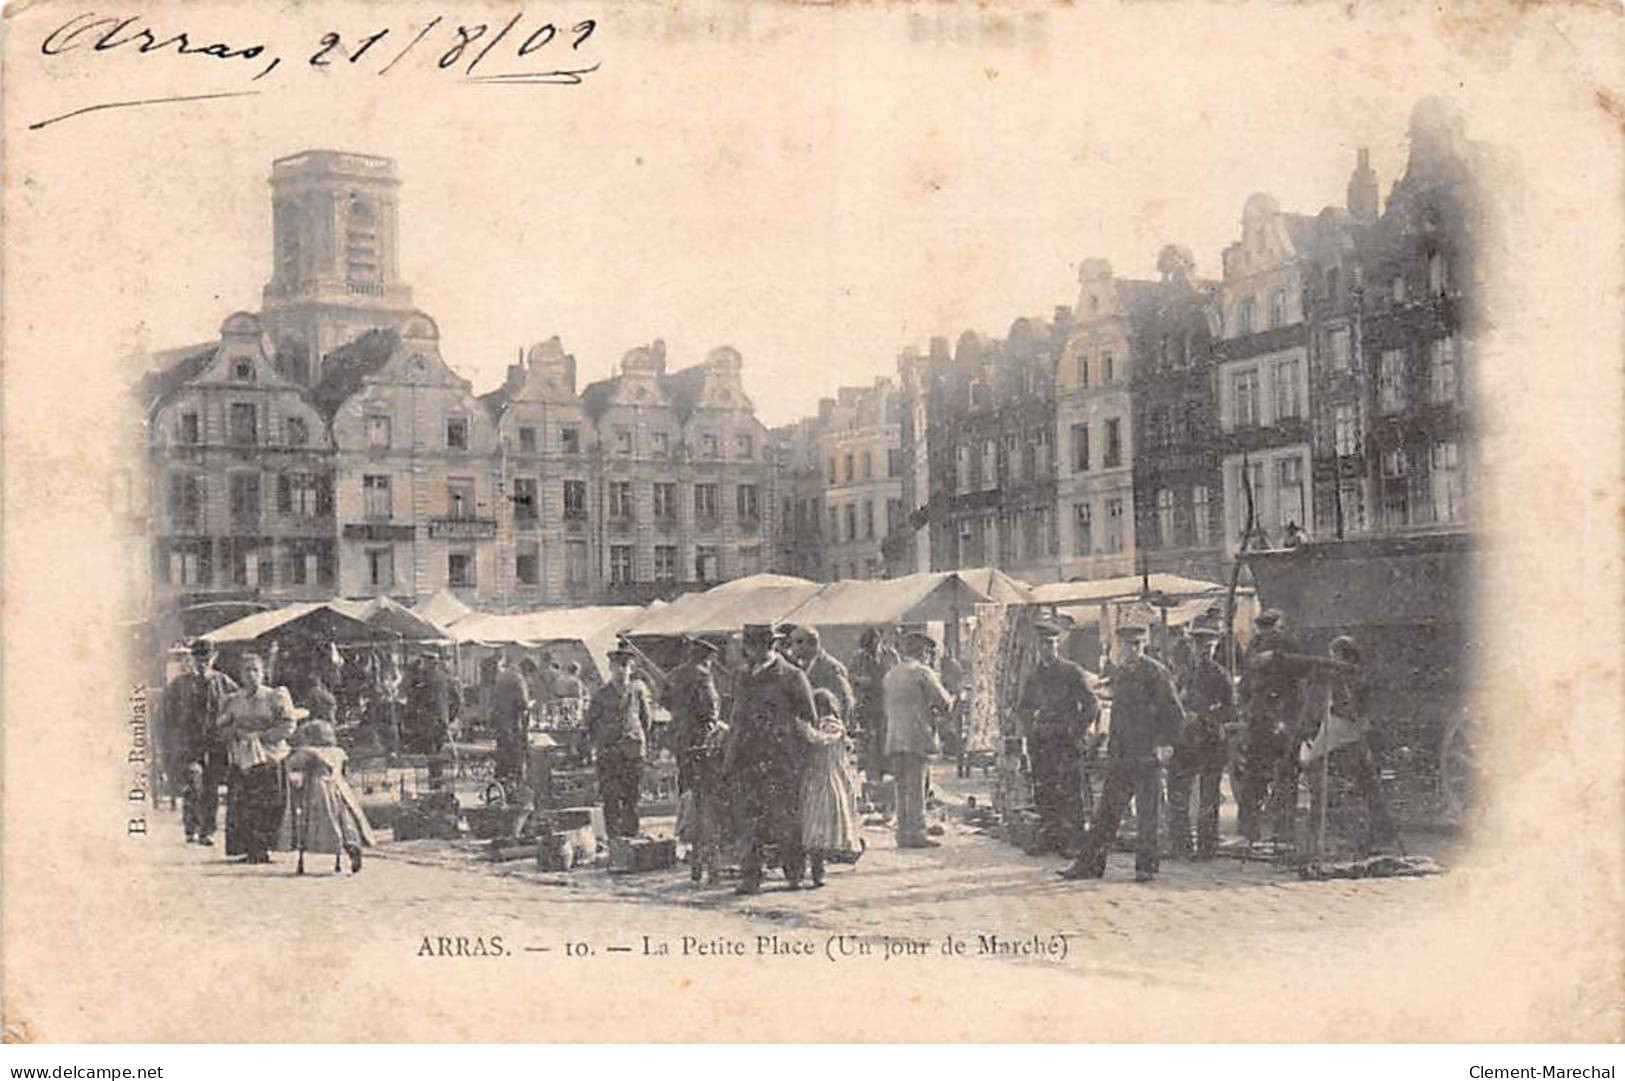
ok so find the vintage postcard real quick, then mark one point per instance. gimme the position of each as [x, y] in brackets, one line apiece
[625, 521]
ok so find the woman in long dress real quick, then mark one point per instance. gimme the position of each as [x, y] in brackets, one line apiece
[829, 823]
[255, 724]
[324, 815]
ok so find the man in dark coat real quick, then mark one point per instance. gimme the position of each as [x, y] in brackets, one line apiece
[1272, 693]
[697, 731]
[192, 703]
[824, 672]
[1145, 722]
[618, 719]
[764, 758]
[1059, 709]
[868, 728]
[434, 706]
[1199, 758]
[510, 719]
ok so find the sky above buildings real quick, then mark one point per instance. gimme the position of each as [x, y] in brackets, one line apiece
[817, 188]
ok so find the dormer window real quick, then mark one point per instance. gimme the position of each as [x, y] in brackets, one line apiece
[456, 433]
[378, 433]
[188, 428]
[661, 442]
[1244, 315]
[243, 371]
[708, 444]
[527, 439]
[1438, 275]
[745, 445]
[623, 441]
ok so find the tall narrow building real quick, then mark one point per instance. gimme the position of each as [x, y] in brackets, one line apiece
[335, 264]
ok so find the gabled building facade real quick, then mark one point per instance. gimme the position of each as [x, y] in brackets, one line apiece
[859, 448]
[241, 476]
[1178, 508]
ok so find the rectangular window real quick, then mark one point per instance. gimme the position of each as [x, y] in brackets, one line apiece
[1442, 371]
[575, 500]
[1351, 499]
[894, 516]
[660, 444]
[623, 441]
[708, 444]
[1288, 379]
[1447, 486]
[744, 446]
[575, 562]
[1244, 316]
[1083, 371]
[1391, 381]
[527, 439]
[961, 469]
[525, 508]
[849, 472]
[1200, 522]
[1244, 398]
[620, 564]
[378, 431]
[1165, 518]
[665, 499]
[1277, 308]
[1346, 430]
[186, 568]
[1114, 525]
[1396, 501]
[869, 520]
[300, 494]
[1080, 448]
[296, 431]
[1339, 344]
[831, 473]
[1290, 503]
[705, 502]
[244, 420]
[851, 521]
[705, 563]
[665, 562]
[1108, 368]
[185, 501]
[456, 433]
[834, 523]
[187, 431]
[245, 497]
[1083, 530]
[375, 498]
[293, 569]
[381, 568]
[1114, 444]
[868, 465]
[747, 502]
[1438, 275]
[620, 499]
[460, 570]
[527, 563]
[570, 439]
[1395, 463]
[460, 498]
[894, 462]
[990, 465]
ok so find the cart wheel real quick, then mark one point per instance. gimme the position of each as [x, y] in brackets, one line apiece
[1458, 769]
[495, 795]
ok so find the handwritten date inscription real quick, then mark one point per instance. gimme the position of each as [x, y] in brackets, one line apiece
[520, 51]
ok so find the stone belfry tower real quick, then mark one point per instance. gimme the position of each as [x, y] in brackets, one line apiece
[335, 269]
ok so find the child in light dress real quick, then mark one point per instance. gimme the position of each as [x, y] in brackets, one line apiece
[829, 824]
[325, 815]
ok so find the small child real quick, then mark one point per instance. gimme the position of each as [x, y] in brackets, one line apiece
[328, 816]
[192, 807]
[829, 824]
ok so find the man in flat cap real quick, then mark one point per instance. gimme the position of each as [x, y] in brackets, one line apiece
[764, 758]
[1145, 721]
[1199, 759]
[696, 739]
[192, 704]
[618, 718]
[1058, 709]
[824, 672]
[1272, 693]
[915, 702]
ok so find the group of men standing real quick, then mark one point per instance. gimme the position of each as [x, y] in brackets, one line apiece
[1174, 723]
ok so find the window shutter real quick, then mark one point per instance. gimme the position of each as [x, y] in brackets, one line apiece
[284, 493]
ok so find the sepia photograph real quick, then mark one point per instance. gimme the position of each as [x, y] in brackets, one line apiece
[1073, 522]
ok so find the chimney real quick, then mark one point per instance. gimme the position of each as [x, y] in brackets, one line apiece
[1362, 195]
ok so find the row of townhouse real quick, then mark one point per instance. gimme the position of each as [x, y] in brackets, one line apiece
[1320, 385]
[325, 446]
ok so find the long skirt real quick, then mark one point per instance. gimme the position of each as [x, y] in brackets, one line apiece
[829, 821]
[326, 812]
[255, 798]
